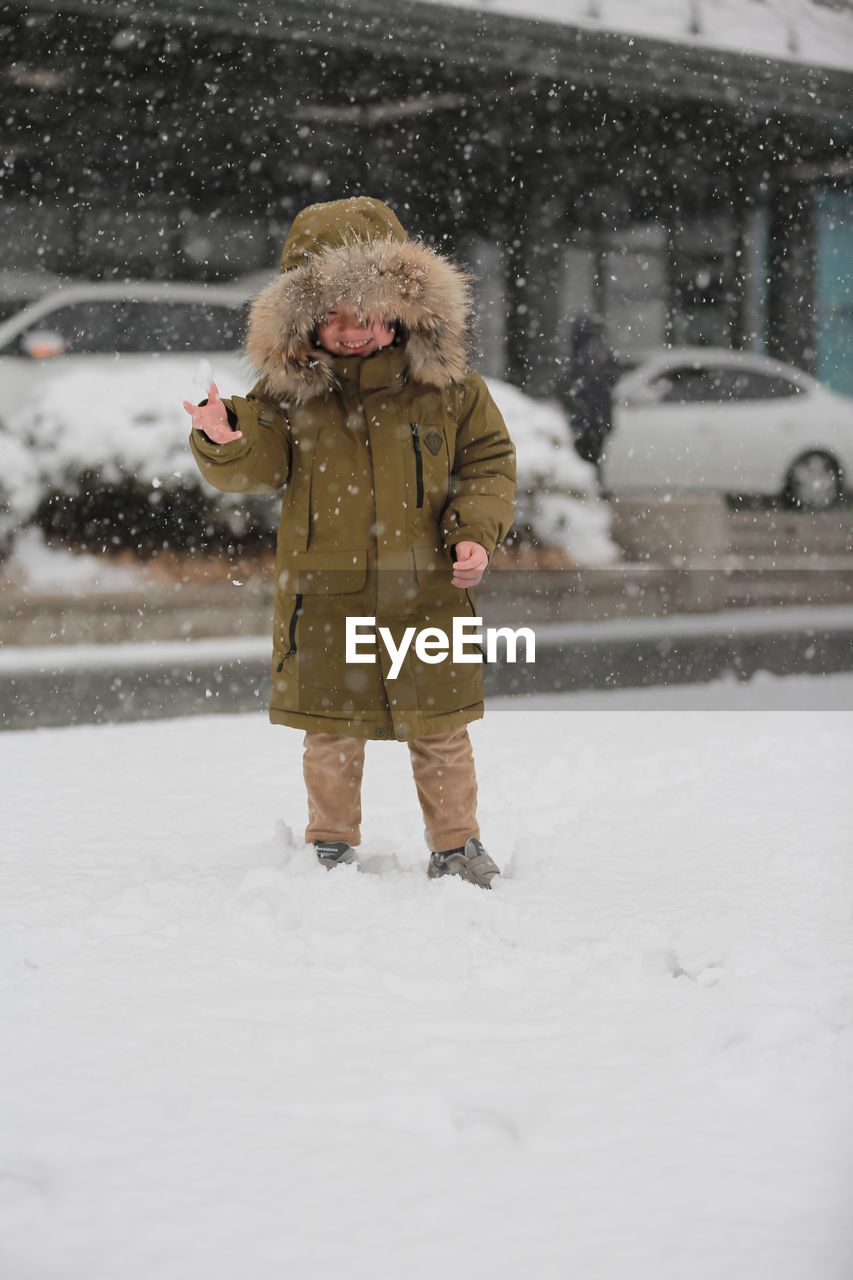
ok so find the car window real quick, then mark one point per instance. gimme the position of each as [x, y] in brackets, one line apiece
[184, 326]
[88, 328]
[748, 384]
[125, 326]
[693, 384]
[709, 384]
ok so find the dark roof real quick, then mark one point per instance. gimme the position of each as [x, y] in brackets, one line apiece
[626, 66]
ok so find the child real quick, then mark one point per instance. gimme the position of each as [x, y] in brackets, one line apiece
[399, 479]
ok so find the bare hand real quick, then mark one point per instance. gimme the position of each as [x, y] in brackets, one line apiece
[470, 564]
[212, 418]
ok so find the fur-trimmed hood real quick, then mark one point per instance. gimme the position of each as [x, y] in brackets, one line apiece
[356, 251]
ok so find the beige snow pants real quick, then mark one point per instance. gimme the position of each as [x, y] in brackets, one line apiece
[445, 779]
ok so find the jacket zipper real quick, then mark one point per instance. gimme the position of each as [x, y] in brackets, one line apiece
[291, 632]
[419, 463]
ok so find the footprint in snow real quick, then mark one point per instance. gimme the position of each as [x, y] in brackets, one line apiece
[478, 1127]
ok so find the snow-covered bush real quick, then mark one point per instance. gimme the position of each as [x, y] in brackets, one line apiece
[558, 502]
[114, 469]
[19, 488]
[102, 461]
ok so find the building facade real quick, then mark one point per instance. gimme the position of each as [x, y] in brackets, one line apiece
[688, 195]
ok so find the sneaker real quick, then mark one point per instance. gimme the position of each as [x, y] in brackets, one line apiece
[470, 861]
[332, 853]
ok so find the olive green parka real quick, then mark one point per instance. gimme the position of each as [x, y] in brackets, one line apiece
[387, 461]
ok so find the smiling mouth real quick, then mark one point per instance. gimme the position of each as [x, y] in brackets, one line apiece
[356, 346]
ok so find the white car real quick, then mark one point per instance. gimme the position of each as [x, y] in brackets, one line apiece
[103, 326]
[731, 422]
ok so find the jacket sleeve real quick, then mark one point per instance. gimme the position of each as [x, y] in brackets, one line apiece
[482, 477]
[260, 462]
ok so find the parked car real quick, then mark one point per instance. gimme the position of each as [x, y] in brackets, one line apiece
[98, 326]
[732, 422]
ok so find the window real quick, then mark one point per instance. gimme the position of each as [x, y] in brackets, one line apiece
[88, 328]
[720, 385]
[184, 326]
[692, 384]
[125, 326]
[748, 384]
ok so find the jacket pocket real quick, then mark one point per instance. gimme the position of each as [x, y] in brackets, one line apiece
[430, 561]
[321, 572]
[291, 633]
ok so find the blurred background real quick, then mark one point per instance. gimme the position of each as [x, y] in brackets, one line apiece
[656, 198]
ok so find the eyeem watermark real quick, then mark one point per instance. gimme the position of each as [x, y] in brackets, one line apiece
[432, 644]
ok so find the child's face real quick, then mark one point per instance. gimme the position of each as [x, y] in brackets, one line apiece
[342, 333]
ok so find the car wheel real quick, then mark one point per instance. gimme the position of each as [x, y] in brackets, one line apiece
[813, 483]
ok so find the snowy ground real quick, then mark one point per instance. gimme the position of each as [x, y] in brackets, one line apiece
[631, 1061]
